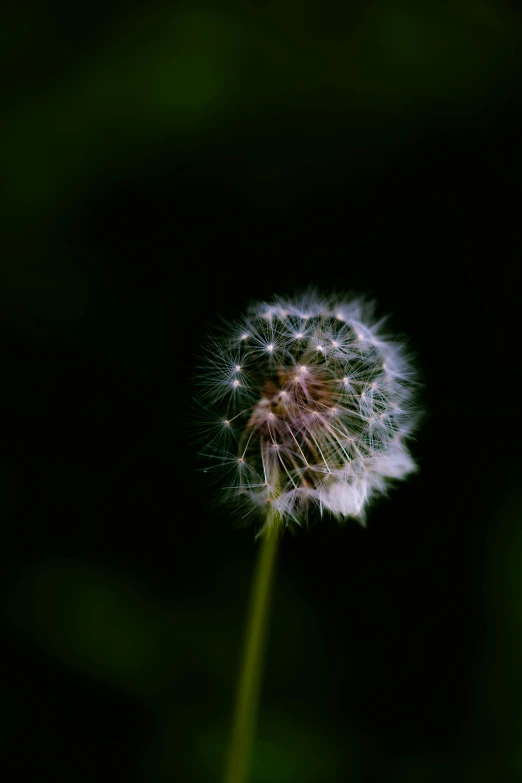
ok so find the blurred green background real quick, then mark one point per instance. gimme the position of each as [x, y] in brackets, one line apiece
[168, 163]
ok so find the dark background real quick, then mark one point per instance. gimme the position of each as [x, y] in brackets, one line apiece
[163, 166]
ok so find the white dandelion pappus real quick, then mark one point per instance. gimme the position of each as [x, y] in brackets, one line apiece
[312, 406]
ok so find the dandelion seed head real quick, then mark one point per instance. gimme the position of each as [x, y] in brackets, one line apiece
[322, 412]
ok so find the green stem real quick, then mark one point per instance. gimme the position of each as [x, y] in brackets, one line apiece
[244, 723]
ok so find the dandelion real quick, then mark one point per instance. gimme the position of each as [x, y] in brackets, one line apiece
[308, 405]
[316, 404]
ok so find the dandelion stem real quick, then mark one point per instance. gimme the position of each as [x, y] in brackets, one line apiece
[247, 698]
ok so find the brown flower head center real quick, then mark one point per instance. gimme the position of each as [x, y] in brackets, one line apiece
[288, 402]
